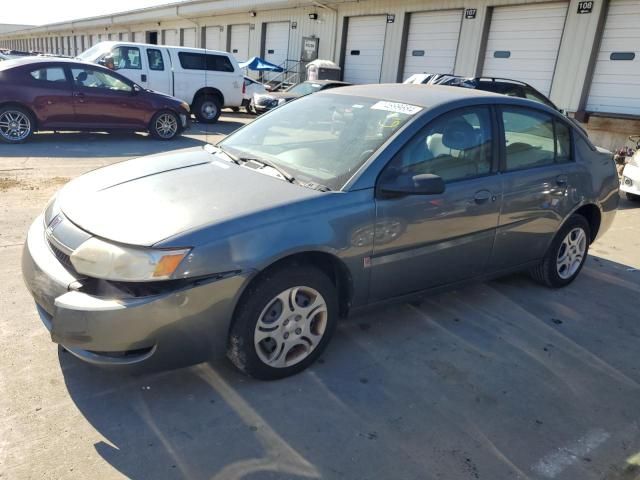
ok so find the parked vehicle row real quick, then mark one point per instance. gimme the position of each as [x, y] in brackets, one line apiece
[207, 80]
[265, 102]
[39, 93]
[341, 199]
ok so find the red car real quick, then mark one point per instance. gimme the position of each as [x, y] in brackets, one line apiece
[60, 94]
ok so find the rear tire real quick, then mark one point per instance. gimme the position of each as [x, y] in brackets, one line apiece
[165, 125]
[16, 124]
[207, 108]
[284, 322]
[632, 197]
[566, 254]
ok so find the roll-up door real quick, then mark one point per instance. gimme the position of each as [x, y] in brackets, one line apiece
[523, 43]
[615, 87]
[364, 49]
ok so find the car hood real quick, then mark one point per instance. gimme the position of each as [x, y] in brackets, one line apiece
[149, 199]
[285, 95]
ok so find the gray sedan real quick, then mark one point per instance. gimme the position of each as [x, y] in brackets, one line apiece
[259, 245]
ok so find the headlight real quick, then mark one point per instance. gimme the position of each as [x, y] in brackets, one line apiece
[185, 105]
[101, 259]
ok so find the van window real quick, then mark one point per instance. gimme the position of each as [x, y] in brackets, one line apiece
[126, 57]
[201, 61]
[155, 59]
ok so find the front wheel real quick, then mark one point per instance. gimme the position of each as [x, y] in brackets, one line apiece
[16, 124]
[284, 322]
[165, 125]
[566, 255]
[207, 109]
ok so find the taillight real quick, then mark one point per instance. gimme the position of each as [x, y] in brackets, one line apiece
[244, 88]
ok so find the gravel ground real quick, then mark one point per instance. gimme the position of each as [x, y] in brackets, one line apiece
[497, 380]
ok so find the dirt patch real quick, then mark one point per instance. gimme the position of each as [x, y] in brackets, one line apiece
[14, 183]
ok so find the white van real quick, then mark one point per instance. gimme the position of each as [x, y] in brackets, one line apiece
[206, 79]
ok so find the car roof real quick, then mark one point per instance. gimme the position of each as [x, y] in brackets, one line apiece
[18, 62]
[426, 96]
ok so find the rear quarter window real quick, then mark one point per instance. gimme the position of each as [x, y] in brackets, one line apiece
[202, 61]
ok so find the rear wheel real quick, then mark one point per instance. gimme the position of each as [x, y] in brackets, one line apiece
[207, 108]
[284, 322]
[165, 125]
[566, 255]
[16, 124]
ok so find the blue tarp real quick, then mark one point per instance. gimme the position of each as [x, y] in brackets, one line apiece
[260, 65]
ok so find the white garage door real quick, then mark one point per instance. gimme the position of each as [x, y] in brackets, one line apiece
[364, 49]
[214, 38]
[276, 45]
[615, 87]
[170, 37]
[240, 42]
[523, 43]
[189, 37]
[432, 42]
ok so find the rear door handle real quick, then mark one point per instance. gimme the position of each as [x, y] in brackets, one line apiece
[562, 180]
[482, 196]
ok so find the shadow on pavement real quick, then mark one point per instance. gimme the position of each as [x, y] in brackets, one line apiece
[487, 381]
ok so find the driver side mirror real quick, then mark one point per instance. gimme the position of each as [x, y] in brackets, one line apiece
[407, 184]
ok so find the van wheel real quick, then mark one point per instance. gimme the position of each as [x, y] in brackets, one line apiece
[566, 255]
[284, 322]
[207, 108]
[16, 124]
[165, 125]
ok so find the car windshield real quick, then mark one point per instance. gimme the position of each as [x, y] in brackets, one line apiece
[305, 88]
[322, 139]
[93, 53]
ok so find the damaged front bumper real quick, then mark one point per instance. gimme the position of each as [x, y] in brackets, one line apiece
[112, 329]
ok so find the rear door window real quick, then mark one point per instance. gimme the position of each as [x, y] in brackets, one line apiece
[49, 74]
[534, 139]
[156, 61]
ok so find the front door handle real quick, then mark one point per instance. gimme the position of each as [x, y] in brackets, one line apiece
[79, 95]
[482, 196]
[143, 77]
[562, 180]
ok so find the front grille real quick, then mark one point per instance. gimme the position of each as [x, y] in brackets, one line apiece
[62, 257]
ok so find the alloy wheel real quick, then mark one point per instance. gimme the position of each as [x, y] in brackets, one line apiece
[290, 327]
[14, 125]
[571, 253]
[166, 125]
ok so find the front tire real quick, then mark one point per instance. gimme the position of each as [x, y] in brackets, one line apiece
[165, 125]
[566, 255]
[207, 108]
[16, 124]
[284, 322]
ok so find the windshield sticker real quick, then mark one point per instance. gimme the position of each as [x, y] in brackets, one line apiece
[397, 107]
[357, 106]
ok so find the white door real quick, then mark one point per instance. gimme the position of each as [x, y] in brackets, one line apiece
[276, 45]
[214, 38]
[240, 42]
[189, 37]
[170, 38]
[523, 43]
[364, 49]
[615, 87]
[158, 69]
[432, 42]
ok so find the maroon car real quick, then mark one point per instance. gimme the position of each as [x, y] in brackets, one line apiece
[60, 94]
